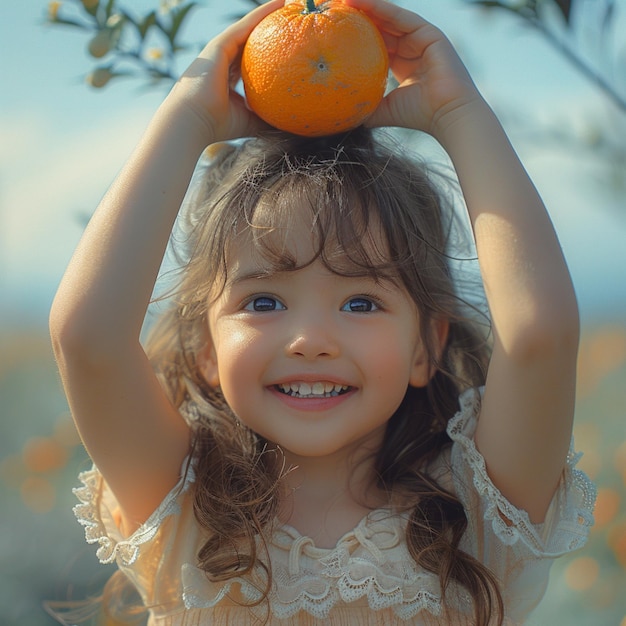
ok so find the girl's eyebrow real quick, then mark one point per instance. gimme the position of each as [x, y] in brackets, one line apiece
[237, 277]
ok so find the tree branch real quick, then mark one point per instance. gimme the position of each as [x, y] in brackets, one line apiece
[529, 13]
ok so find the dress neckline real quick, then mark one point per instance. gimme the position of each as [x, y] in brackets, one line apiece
[382, 527]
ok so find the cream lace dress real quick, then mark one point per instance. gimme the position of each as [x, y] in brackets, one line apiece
[368, 577]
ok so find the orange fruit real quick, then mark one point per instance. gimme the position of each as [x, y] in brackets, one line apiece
[314, 67]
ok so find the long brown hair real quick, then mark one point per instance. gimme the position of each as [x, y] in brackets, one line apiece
[348, 183]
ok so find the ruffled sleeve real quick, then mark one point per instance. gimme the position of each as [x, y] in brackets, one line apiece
[502, 536]
[151, 556]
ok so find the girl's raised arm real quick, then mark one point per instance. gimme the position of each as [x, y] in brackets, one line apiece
[131, 431]
[526, 418]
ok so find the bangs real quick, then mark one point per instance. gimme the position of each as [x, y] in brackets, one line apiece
[339, 224]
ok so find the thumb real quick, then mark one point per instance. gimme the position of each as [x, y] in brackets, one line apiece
[384, 115]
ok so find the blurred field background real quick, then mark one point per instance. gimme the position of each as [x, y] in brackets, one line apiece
[60, 146]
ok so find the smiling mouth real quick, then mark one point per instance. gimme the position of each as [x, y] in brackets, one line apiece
[312, 390]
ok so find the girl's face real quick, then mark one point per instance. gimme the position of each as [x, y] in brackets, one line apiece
[312, 361]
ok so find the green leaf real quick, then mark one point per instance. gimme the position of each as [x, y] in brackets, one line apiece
[178, 17]
[142, 25]
[527, 10]
[92, 10]
[488, 4]
[109, 8]
[607, 18]
[147, 23]
[565, 6]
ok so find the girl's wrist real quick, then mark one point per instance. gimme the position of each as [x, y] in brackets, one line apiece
[177, 135]
[452, 127]
[183, 116]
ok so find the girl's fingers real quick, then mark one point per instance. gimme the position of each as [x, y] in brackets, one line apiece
[407, 35]
[390, 17]
[233, 38]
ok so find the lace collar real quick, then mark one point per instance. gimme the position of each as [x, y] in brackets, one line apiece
[369, 566]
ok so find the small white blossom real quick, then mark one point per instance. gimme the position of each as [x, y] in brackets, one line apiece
[165, 6]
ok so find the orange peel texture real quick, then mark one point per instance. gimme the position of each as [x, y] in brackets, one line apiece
[315, 69]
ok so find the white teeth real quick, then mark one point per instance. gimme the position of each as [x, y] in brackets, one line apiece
[318, 389]
[312, 390]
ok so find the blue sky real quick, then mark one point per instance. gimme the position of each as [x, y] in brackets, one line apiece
[61, 143]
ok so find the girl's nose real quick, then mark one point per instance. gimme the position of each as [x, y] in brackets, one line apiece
[312, 341]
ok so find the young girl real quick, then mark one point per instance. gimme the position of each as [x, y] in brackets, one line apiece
[317, 434]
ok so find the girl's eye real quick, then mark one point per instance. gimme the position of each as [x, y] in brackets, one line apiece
[360, 305]
[264, 303]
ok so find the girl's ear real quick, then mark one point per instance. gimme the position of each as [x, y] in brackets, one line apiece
[424, 364]
[206, 360]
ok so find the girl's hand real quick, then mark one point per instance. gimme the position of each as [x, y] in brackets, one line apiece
[206, 89]
[434, 85]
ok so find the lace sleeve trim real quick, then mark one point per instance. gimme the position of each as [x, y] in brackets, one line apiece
[570, 515]
[97, 513]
